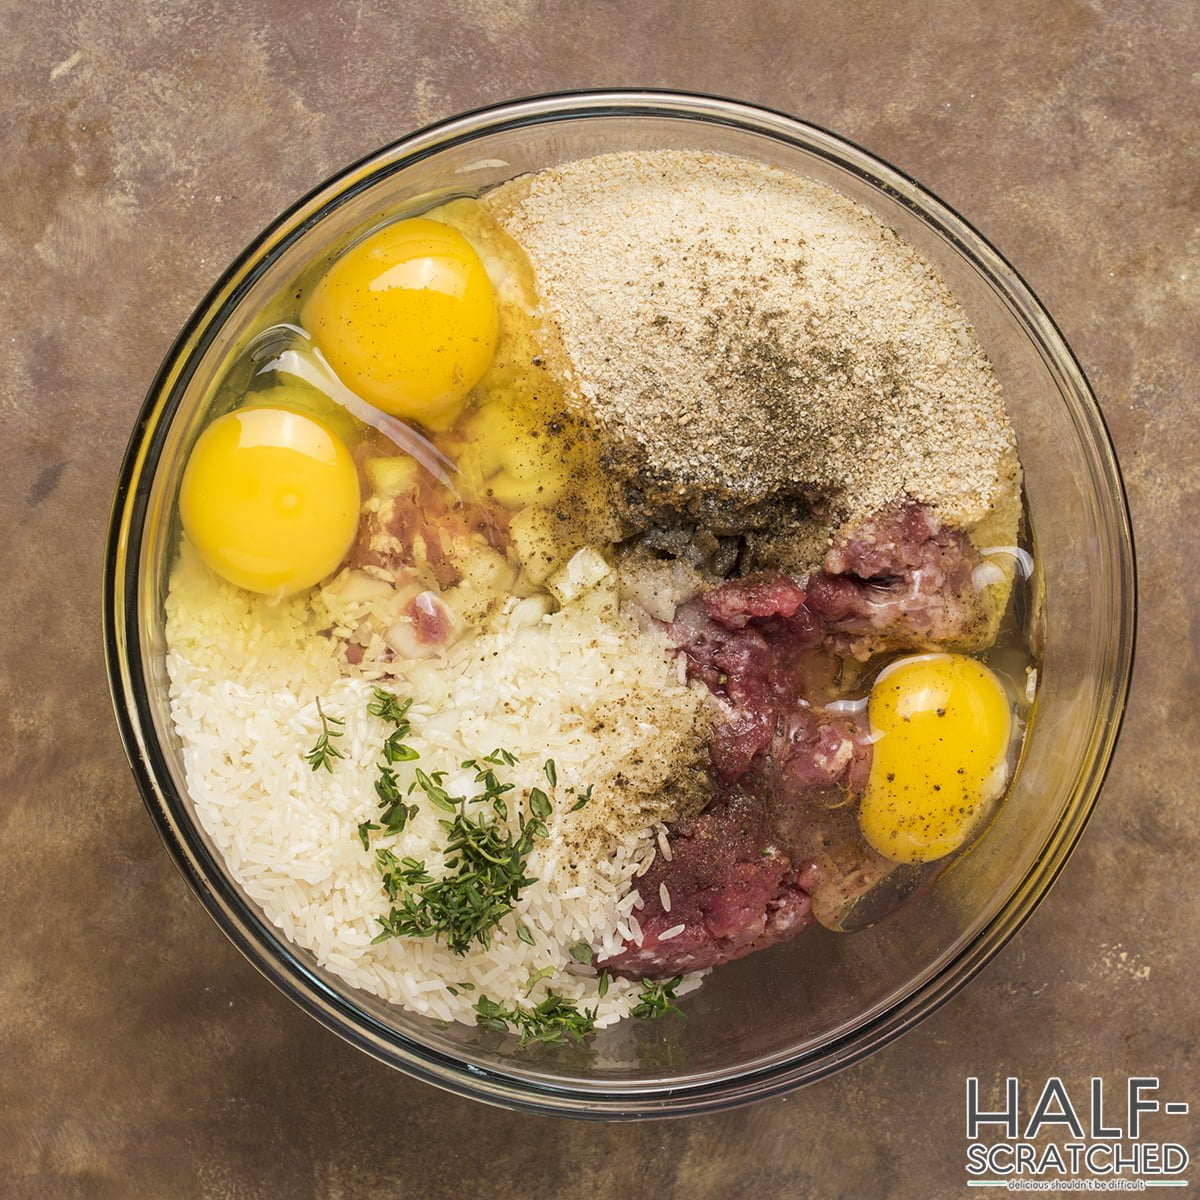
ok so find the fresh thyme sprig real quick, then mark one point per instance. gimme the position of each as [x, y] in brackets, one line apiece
[536, 977]
[493, 790]
[396, 811]
[324, 751]
[389, 707]
[484, 860]
[437, 795]
[394, 749]
[548, 1023]
[485, 874]
[399, 873]
[656, 999]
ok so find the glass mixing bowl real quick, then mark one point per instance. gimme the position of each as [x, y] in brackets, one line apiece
[798, 1011]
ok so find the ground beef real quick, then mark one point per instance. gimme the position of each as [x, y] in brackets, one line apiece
[758, 649]
[732, 884]
[756, 597]
[738, 667]
[816, 750]
[900, 580]
[730, 887]
[818, 825]
[781, 841]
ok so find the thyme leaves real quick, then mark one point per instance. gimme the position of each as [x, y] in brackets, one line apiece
[324, 751]
[657, 999]
[485, 874]
[389, 707]
[550, 1022]
[396, 811]
[485, 859]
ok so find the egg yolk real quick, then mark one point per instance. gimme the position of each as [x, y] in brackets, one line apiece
[940, 725]
[299, 398]
[407, 318]
[270, 499]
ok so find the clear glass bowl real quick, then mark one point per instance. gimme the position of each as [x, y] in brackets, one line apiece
[798, 1011]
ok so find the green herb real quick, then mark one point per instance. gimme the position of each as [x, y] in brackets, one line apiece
[581, 952]
[656, 999]
[551, 772]
[438, 796]
[602, 989]
[537, 978]
[484, 859]
[394, 749]
[583, 799]
[549, 1023]
[485, 875]
[396, 814]
[389, 707]
[387, 787]
[492, 787]
[485, 863]
[397, 874]
[324, 751]
[539, 804]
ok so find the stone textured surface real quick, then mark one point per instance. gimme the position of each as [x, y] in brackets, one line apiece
[144, 142]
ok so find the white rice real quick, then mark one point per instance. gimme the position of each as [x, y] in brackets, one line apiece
[664, 845]
[246, 675]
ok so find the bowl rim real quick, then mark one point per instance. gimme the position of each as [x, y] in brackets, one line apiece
[260, 944]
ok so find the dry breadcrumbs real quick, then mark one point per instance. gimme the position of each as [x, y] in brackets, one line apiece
[750, 340]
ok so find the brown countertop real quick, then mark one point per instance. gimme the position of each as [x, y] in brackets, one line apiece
[145, 142]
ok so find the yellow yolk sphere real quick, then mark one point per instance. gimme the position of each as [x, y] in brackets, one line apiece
[940, 725]
[407, 318]
[308, 402]
[270, 499]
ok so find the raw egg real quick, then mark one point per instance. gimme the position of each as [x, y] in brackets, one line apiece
[270, 499]
[940, 726]
[407, 318]
[309, 402]
[518, 462]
